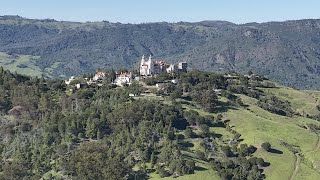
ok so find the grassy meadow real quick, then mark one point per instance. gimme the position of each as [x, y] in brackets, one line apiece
[257, 125]
[22, 64]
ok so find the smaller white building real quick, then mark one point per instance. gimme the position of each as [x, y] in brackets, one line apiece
[123, 78]
[171, 68]
[69, 80]
[99, 76]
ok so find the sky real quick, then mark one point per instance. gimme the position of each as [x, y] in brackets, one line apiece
[142, 11]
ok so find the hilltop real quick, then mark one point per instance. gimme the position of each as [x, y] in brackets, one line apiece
[286, 52]
[202, 125]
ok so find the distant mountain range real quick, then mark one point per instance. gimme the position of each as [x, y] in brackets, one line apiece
[287, 52]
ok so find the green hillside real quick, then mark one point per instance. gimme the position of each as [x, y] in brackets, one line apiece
[257, 126]
[206, 126]
[22, 64]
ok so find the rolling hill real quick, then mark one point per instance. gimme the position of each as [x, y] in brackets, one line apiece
[286, 52]
[187, 130]
[257, 125]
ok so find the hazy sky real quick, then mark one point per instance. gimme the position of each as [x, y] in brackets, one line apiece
[136, 11]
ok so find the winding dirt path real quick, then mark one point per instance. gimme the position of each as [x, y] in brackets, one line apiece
[296, 166]
[316, 147]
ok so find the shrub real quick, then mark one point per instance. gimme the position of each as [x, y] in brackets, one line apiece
[260, 161]
[200, 155]
[266, 146]
[205, 129]
[226, 150]
[188, 133]
[163, 173]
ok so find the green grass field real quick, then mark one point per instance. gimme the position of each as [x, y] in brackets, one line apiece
[300, 100]
[257, 126]
[22, 64]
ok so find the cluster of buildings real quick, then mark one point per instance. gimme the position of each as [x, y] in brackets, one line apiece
[147, 68]
[152, 68]
[121, 79]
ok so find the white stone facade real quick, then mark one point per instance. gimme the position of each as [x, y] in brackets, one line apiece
[123, 78]
[146, 67]
[150, 68]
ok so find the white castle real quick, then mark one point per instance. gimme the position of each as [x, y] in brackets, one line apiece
[146, 67]
[150, 68]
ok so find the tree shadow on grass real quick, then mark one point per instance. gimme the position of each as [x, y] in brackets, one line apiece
[186, 144]
[187, 103]
[275, 151]
[194, 158]
[218, 124]
[215, 135]
[151, 170]
[224, 107]
[187, 98]
[266, 164]
[198, 168]
[180, 124]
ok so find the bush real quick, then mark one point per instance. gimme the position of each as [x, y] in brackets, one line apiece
[226, 150]
[181, 167]
[275, 105]
[200, 155]
[266, 146]
[188, 133]
[205, 129]
[236, 136]
[190, 166]
[260, 161]
[163, 173]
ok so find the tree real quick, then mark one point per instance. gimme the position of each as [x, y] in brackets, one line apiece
[112, 75]
[239, 101]
[200, 154]
[177, 93]
[205, 98]
[91, 161]
[236, 136]
[190, 166]
[135, 88]
[266, 146]
[260, 162]
[244, 80]
[181, 167]
[188, 132]
[14, 171]
[205, 129]
[163, 172]
[191, 117]
[153, 159]
[226, 150]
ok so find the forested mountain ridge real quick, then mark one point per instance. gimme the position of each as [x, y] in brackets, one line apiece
[287, 52]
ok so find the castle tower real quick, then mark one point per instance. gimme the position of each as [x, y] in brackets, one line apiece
[150, 64]
[142, 67]
[142, 61]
